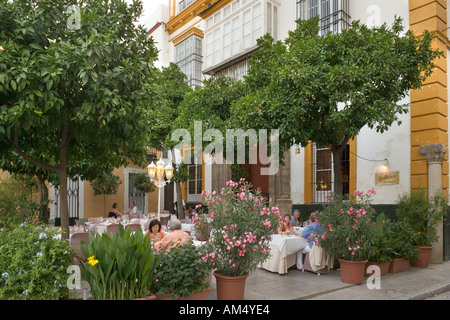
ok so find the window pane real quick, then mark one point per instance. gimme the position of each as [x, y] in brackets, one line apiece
[226, 11]
[275, 22]
[269, 18]
[323, 159]
[235, 5]
[257, 22]
[323, 180]
[247, 29]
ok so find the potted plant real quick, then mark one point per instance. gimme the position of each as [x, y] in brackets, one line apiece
[34, 262]
[182, 274]
[348, 233]
[241, 227]
[382, 242]
[120, 267]
[423, 215]
[402, 240]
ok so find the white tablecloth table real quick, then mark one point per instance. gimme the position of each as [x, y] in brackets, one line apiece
[188, 227]
[283, 251]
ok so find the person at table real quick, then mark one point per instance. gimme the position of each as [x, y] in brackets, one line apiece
[154, 228]
[176, 237]
[285, 226]
[132, 209]
[188, 212]
[309, 233]
[295, 220]
[114, 213]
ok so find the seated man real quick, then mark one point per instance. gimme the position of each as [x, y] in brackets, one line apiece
[295, 219]
[176, 237]
[309, 233]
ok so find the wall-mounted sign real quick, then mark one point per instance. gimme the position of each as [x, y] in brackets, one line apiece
[386, 178]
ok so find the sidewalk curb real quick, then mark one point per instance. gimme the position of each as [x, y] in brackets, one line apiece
[431, 293]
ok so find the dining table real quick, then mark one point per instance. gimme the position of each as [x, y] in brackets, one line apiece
[283, 252]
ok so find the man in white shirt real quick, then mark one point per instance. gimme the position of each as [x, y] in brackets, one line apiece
[132, 209]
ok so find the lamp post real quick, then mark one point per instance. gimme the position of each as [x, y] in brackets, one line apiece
[156, 174]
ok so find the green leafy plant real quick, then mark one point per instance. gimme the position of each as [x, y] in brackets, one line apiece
[34, 262]
[120, 267]
[403, 238]
[423, 215]
[382, 241]
[181, 272]
[16, 204]
[241, 227]
[348, 226]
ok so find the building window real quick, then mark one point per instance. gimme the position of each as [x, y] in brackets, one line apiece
[323, 173]
[188, 56]
[231, 31]
[194, 185]
[183, 4]
[334, 14]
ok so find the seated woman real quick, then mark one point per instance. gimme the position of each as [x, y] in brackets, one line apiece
[114, 213]
[285, 225]
[155, 231]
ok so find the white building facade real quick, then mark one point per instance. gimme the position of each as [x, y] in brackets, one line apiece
[211, 38]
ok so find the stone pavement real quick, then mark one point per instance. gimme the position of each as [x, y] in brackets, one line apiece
[413, 284]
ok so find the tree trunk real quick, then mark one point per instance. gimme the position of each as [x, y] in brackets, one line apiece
[180, 209]
[64, 204]
[337, 156]
[62, 176]
[43, 198]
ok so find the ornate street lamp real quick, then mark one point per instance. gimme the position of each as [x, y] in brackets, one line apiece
[156, 174]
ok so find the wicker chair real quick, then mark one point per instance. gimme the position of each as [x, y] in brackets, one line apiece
[75, 242]
[134, 227]
[165, 221]
[112, 229]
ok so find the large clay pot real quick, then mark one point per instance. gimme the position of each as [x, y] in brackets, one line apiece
[352, 271]
[423, 257]
[398, 265]
[203, 295]
[230, 288]
[384, 268]
[151, 297]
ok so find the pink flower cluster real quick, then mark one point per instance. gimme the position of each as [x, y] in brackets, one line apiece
[353, 250]
[231, 183]
[242, 196]
[208, 256]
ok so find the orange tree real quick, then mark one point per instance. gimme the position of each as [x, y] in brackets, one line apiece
[75, 98]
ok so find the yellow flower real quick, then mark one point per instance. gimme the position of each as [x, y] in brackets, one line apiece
[91, 261]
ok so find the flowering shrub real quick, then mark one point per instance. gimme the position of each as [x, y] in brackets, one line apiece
[241, 227]
[348, 227]
[33, 263]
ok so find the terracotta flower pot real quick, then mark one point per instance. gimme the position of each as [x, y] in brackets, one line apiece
[352, 271]
[151, 297]
[384, 268]
[195, 296]
[423, 257]
[230, 288]
[398, 265]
